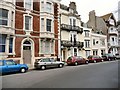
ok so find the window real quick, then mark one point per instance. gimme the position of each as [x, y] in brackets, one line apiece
[112, 39]
[87, 53]
[75, 40]
[42, 24]
[86, 33]
[11, 45]
[3, 17]
[48, 7]
[28, 23]
[28, 4]
[52, 47]
[87, 43]
[93, 41]
[12, 19]
[74, 22]
[2, 42]
[42, 6]
[102, 52]
[10, 63]
[49, 25]
[95, 52]
[102, 42]
[70, 21]
[47, 47]
[42, 46]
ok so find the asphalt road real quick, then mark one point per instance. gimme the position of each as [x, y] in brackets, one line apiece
[93, 75]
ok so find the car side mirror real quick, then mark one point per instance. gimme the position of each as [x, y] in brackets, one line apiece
[15, 63]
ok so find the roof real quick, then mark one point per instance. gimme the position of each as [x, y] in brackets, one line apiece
[107, 16]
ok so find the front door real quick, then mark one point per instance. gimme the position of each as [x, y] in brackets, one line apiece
[27, 52]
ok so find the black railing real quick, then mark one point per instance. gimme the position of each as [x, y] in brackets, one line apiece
[71, 28]
[66, 43]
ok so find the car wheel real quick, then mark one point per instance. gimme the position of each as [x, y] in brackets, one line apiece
[94, 61]
[76, 63]
[43, 67]
[22, 70]
[60, 65]
[86, 62]
[102, 60]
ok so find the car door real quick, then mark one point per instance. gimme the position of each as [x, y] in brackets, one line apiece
[3, 67]
[12, 67]
[53, 63]
[47, 62]
[79, 59]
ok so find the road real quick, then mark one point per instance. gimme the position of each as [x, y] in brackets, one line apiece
[93, 75]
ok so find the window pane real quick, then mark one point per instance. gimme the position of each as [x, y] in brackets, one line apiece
[27, 22]
[2, 42]
[28, 4]
[3, 13]
[48, 25]
[3, 22]
[48, 7]
[11, 45]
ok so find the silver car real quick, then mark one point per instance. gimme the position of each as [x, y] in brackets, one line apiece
[47, 63]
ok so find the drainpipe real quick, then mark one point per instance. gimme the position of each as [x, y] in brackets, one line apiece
[60, 40]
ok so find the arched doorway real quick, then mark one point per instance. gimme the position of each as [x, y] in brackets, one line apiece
[27, 52]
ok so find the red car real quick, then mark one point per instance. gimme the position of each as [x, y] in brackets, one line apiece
[75, 60]
[94, 58]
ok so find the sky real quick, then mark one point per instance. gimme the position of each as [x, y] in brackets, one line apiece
[101, 7]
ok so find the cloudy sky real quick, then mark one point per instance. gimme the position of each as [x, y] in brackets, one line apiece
[101, 7]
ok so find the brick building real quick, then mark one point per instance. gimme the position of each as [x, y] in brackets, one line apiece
[34, 32]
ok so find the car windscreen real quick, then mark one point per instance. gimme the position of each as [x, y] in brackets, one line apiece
[69, 58]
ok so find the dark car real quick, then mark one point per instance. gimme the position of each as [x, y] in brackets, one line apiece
[47, 63]
[95, 58]
[108, 57]
[9, 66]
[75, 60]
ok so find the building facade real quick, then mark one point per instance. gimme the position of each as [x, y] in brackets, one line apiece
[72, 40]
[30, 30]
[105, 25]
[112, 33]
[94, 43]
[7, 29]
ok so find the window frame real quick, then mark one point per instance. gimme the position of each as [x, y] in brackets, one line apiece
[49, 25]
[31, 26]
[2, 18]
[31, 8]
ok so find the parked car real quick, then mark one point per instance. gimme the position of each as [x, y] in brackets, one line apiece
[9, 66]
[117, 56]
[108, 57]
[75, 60]
[47, 63]
[95, 58]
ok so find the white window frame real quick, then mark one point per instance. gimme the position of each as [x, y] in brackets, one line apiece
[50, 8]
[7, 19]
[31, 22]
[31, 8]
[42, 24]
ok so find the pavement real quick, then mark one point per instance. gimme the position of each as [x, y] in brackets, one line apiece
[93, 75]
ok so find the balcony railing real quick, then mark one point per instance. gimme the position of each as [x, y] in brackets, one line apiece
[66, 43]
[113, 32]
[71, 28]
